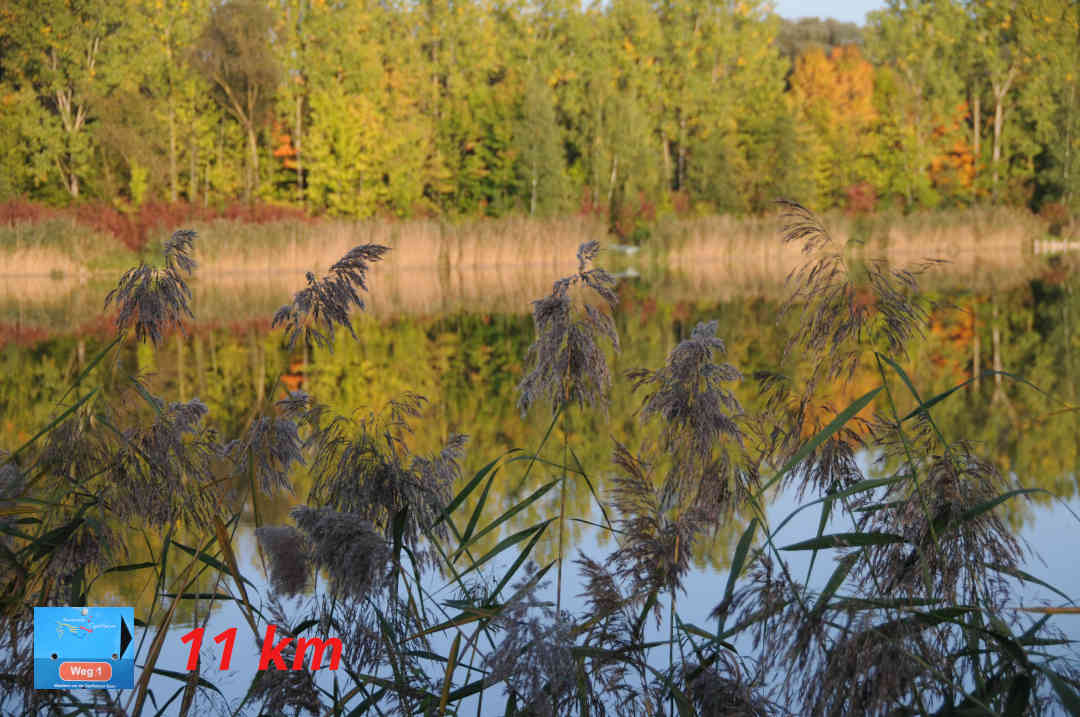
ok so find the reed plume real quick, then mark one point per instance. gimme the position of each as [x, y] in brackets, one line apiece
[534, 658]
[289, 554]
[269, 448]
[700, 434]
[724, 688]
[657, 530]
[347, 546]
[278, 690]
[163, 471]
[845, 308]
[947, 542]
[844, 303]
[568, 365]
[325, 303]
[366, 467]
[155, 299]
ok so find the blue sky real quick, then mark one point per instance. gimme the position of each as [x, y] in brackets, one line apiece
[846, 10]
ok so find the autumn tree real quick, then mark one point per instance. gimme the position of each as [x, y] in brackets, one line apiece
[1049, 30]
[833, 99]
[538, 142]
[234, 54]
[58, 52]
[918, 90]
[741, 155]
[1001, 59]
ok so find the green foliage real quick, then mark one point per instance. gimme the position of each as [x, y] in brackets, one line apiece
[473, 109]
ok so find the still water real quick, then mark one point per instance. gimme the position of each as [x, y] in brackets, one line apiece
[459, 338]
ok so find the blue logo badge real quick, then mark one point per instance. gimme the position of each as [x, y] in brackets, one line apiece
[84, 647]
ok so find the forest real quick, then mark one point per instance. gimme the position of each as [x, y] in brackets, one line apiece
[544, 107]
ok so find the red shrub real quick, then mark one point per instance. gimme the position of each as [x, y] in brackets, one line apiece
[134, 228]
[861, 198]
[680, 202]
[15, 211]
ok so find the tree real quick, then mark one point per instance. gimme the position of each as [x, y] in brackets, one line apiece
[538, 141]
[294, 27]
[918, 89]
[1000, 58]
[1049, 31]
[25, 147]
[742, 142]
[166, 31]
[234, 54]
[60, 51]
[833, 98]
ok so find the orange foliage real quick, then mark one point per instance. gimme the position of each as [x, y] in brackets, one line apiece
[840, 85]
[955, 168]
[951, 336]
[833, 98]
[294, 379]
[285, 150]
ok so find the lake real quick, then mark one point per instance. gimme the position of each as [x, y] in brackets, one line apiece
[459, 337]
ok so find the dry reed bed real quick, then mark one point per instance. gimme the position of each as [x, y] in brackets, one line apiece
[749, 243]
[39, 262]
[226, 248]
[53, 246]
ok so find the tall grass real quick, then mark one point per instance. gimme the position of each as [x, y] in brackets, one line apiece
[273, 240]
[56, 246]
[916, 616]
[975, 239]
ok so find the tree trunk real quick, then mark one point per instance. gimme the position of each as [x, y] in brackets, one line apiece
[680, 165]
[174, 171]
[298, 144]
[611, 186]
[665, 146]
[996, 337]
[532, 198]
[193, 171]
[976, 349]
[72, 117]
[1066, 173]
[1001, 90]
[253, 163]
[220, 155]
[999, 119]
[976, 117]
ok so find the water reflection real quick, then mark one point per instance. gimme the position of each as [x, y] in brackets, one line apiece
[458, 337]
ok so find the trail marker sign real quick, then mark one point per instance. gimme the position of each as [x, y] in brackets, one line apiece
[84, 647]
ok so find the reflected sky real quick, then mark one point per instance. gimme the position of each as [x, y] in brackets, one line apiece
[459, 338]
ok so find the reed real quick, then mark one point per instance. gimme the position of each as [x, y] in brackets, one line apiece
[264, 240]
[912, 619]
[56, 246]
